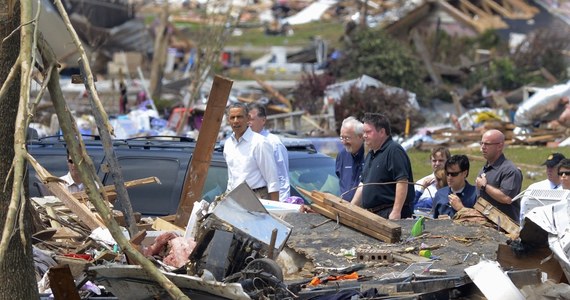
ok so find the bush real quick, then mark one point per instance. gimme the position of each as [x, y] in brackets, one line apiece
[394, 105]
[308, 95]
[373, 53]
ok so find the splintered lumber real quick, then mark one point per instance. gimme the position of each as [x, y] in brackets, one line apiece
[353, 216]
[496, 216]
[110, 189]
[81, 210]
[274, 93]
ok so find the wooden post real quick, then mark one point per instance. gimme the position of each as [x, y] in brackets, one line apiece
[198, 171]
[62, 284]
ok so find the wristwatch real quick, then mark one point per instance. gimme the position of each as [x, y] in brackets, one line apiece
[484, 187]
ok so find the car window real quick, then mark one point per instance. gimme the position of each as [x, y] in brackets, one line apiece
[151, 199]
[216, 182]
[313, 173]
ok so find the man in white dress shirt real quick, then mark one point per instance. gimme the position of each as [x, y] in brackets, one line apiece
[257, 119]
[249, 156]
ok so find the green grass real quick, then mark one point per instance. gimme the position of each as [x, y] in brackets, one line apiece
[528, 159]
[255, 37]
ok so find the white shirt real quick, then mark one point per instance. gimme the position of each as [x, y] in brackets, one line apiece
[541, 185]
[251, 160]
[282, 159]
[71, 185]
[544, 185]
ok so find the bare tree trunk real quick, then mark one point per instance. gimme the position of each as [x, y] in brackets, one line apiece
[17, 280]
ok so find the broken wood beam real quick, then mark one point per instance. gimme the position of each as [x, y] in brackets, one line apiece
[496, 216]
[200, 162]
[110, 189]
[275, 93]
[81, 210]
[348, 222]
[354, 216]
[344, 206]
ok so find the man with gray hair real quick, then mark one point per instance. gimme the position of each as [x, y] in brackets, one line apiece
[350, 159]
[257, 119]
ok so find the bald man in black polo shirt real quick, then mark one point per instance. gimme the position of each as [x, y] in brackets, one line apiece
[384, 187]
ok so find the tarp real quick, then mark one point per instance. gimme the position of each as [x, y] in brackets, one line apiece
[311, 13]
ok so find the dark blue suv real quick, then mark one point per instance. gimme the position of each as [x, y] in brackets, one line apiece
[168, 160]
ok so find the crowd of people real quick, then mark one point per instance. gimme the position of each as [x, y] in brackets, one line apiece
[375, 172]
[385, 184]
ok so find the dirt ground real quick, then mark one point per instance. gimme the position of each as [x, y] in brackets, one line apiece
[454, 247]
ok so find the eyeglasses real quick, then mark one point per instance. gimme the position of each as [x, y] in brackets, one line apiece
[452, 174]
[565, 173]
[70, 161]
[487, 144]
[344, 138]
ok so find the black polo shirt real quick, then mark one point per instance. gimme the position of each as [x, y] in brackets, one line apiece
[390, 163]
[504, 175]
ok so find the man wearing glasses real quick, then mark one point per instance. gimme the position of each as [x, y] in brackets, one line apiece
[458, 193]
[564, 173]
[350, 159]
[500, 180]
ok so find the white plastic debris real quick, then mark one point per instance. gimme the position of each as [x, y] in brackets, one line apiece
[493, 283]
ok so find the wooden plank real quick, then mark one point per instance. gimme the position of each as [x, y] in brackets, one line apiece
[138, 238]
[345, 221]
[198, 170]
[83, 212]
[110, 189]
[274, 93]
[363, 216]
[496, 216]
[51, 212]
[357, 222]
[365, 225]
[62, 284]
[161, 224]
[359, 212]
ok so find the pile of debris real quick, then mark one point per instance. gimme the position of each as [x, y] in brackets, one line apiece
[221, 255]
